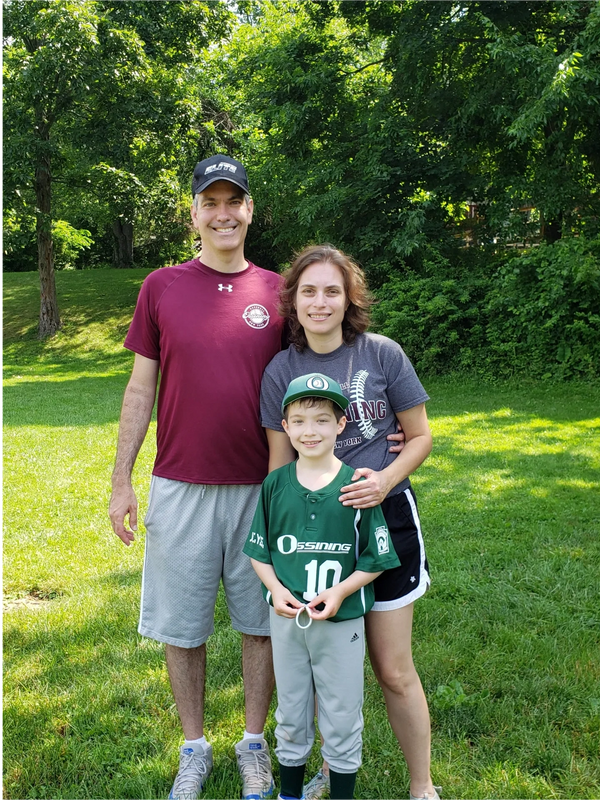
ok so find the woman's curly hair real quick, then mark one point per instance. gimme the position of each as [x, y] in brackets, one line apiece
[357, 317]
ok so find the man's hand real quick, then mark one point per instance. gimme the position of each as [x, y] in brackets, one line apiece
[366, 493]
[399, 440]
[284, 602]
[123, 503]
[331, 599]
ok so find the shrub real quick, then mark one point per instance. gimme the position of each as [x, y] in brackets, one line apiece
[543, 311]
[438, 320]
[536, 314]
[68, 243]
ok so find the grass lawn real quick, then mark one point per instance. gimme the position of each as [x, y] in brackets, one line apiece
[507, 641]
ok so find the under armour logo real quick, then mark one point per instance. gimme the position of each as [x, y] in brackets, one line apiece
[225, 287]
[354, 638]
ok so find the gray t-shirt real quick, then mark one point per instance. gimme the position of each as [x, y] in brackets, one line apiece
[376, 377]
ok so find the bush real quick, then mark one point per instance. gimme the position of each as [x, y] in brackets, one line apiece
[68, 243]
[437, 319]
[543, 311]
[537, 314]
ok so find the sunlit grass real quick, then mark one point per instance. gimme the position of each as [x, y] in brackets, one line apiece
[506, 641]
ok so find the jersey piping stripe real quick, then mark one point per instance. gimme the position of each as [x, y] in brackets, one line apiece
[356, 555]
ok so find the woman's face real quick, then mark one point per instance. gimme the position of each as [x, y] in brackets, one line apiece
[321, 303]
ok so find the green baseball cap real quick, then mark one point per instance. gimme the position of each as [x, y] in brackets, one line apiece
[315, 385]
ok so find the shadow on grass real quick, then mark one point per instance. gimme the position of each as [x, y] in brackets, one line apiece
[95, 699]
[81, 401]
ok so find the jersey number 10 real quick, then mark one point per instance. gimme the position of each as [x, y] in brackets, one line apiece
[318, 579]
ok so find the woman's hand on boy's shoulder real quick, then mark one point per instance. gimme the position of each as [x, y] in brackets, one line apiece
[366, 493]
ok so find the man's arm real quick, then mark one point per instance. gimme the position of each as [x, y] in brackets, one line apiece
[281, 451]
[135, 418]
[377, 485]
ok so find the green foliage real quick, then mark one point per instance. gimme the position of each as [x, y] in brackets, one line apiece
[437, 317]
[68, 243]
[18, 241]
[544, 312]
[536, 314]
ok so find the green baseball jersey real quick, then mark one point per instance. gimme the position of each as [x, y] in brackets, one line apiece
[314, 542]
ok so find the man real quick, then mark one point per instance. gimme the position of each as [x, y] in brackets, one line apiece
[210, 327]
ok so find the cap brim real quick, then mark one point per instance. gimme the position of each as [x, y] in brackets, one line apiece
[205, 186]
[340, 400]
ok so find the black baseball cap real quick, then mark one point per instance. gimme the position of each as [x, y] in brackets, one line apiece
[219, 168]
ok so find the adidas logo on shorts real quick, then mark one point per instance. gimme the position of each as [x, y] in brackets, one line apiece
[354, 638]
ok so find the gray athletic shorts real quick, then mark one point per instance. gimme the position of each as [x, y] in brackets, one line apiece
[194, 538]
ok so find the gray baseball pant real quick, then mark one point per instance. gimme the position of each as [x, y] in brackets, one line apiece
[326, 659]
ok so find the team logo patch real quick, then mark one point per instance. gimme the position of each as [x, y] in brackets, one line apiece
[256, 316]
[316, 382]
[383, 544]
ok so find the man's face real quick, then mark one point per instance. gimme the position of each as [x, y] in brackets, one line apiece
[221, 216]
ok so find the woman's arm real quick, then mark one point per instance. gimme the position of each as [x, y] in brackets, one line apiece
[281, 451]
[377, 485]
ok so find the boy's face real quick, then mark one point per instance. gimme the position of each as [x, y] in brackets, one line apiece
[312, 429]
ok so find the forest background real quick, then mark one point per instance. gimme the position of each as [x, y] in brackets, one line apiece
[452, 148]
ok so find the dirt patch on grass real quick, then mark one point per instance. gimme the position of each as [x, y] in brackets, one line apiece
[35, 599]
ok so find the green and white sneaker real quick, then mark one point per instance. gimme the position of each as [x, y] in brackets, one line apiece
[195, 765]
[317, 787]
[427, 796]
[254, 765]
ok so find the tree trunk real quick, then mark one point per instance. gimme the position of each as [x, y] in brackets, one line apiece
[122, 244]
[551, 230]
[49, 321]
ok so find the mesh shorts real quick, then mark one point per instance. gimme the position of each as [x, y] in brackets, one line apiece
[194, 539]
[400, 586]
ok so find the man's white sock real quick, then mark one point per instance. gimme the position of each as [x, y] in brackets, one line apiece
[201, 740]
[260, 735]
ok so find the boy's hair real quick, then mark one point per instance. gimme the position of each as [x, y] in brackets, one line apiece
[357, 317]
[311, 402]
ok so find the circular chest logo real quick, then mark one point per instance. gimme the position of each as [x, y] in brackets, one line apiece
[256, 316]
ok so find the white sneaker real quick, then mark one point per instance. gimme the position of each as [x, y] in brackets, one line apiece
[317, 787]
[426, 795]
[254, 765]
[195, 765]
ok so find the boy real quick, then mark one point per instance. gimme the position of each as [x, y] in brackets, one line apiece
[318, 557]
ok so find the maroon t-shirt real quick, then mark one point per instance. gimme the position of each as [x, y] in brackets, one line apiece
[213, 334]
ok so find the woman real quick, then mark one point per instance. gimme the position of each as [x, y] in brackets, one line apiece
[326, 303]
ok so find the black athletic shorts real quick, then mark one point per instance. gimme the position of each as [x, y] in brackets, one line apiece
[402, 585]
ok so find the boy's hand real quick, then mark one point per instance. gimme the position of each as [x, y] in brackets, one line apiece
[331, 599]
[284, 602]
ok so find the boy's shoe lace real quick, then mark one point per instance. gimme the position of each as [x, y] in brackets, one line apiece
[427, 796]
[254, 765]
[317, 787]
[195, 765]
